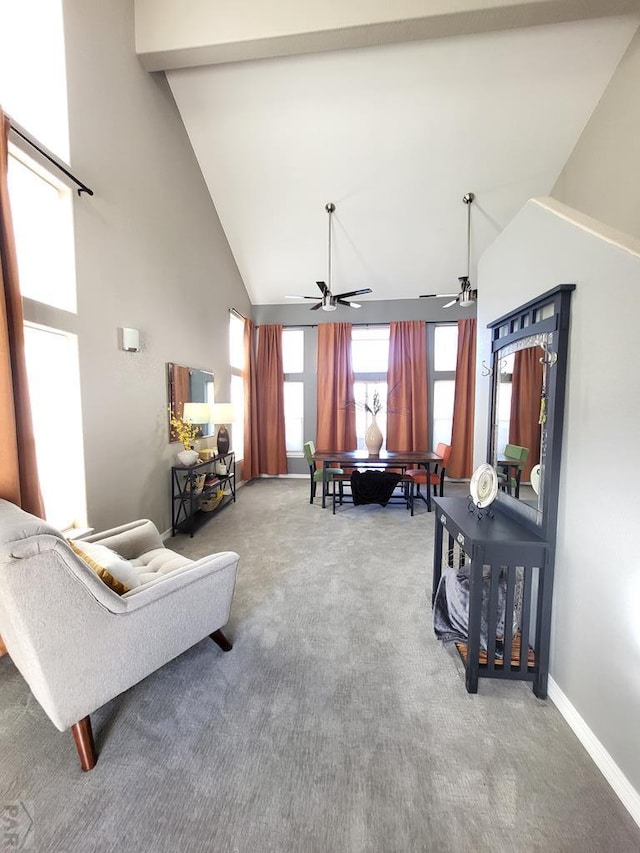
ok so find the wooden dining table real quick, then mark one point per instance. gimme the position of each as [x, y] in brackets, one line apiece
[401, 459]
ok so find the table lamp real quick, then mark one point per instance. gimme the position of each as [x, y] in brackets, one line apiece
[221, 414]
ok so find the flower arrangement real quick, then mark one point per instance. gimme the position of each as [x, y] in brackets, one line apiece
[184, 430]
[375, 407]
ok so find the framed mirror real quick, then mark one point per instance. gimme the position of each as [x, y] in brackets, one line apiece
[188, 385]
[529, 358]
[519, 416]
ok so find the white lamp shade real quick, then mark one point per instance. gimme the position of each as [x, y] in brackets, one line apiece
[197, 413]
[222, 413]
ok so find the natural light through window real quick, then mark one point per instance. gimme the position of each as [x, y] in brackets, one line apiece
[54, 386]
[33, 84]
[42, 216]
[370, 358]
[444, 384]
[236, 360]
[293, 367]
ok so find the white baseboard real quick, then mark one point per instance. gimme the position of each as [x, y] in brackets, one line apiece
[629, 797]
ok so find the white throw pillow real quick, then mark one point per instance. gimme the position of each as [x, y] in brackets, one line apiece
[121, 569]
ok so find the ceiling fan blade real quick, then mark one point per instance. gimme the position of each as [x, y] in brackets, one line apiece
[353, 293]
[449, 304]
[436, 295]
[295, 296]
[348, 304]
[315, 307]
[323, 287]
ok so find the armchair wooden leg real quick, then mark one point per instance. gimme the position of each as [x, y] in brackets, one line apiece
[83, 736]
[219, 638]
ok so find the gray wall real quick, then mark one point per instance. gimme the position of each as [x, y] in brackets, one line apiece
[601, 177]
[150, 254]
[595, 650]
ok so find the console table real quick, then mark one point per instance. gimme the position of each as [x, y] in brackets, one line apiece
[187, 501]
[495, 546]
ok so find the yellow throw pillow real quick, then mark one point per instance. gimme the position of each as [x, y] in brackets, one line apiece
[104, 574]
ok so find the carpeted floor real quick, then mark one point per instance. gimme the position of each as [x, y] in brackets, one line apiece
[336, 724]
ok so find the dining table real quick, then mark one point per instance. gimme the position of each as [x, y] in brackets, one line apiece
[400, 459]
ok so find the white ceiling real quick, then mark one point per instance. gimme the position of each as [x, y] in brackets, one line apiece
[394, 135]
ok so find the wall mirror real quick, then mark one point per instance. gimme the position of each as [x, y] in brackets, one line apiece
[188, 385]
[529, 359]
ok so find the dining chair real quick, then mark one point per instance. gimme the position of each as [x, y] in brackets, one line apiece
[517, 457]
[315, 472]
[418, 476]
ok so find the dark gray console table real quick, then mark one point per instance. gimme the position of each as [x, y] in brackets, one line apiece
[495, 547]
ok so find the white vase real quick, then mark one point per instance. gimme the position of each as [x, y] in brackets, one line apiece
[188, 457]
[373, 438]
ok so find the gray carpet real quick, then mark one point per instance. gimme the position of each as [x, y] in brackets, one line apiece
[337, 723]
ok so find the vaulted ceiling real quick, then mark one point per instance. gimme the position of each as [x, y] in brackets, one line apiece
[394, 135]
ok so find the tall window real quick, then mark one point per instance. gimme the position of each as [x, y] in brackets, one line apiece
[370, 358]
[445, 350]
[43, 225]
[236, 361]
[293, 368]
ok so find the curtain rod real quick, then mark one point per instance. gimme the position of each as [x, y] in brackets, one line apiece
[237, 314]
[39, 147]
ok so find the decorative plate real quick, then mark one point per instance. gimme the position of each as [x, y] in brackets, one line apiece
[484, 485]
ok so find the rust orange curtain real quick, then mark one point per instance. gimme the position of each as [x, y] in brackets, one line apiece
[461, 460]
[270, 392]
[336, 418]
[251, 461]
[18, 468]
[407, 386]
[526, 391]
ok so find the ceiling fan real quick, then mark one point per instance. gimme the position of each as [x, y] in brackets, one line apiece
[467, 295]
[329, 301]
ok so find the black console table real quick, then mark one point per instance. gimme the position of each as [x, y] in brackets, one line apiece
[502, 549]
[188, 502]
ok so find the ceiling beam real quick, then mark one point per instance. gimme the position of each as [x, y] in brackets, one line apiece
[173, 34]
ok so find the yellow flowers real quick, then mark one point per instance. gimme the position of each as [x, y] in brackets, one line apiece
[185, 431]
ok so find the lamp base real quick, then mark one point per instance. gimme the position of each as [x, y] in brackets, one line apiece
[223, 440]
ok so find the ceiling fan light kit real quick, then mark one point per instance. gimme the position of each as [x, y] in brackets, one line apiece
[467, 296]
[329, 301]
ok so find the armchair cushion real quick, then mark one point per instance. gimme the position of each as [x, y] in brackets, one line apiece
[118, 574]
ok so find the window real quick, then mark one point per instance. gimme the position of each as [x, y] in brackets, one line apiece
[293, 368]
[370, 358]
[43, 218]
[54, 388]
[236, 361]
[42, 206]
[445, 353]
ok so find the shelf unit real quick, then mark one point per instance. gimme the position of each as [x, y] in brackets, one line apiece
[187, 500]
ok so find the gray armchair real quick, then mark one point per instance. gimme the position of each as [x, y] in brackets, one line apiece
[76, 642]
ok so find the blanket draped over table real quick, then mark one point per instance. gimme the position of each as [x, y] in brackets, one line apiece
[373, 487]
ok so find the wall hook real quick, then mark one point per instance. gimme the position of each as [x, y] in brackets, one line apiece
[486, 370]
[549, 356]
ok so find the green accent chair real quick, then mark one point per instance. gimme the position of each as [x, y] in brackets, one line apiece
[315, 472]
[510, 482]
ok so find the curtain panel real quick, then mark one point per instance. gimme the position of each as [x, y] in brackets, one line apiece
[461, 460]
[251, 461]
[272, 449]
[407, 386]
[336, 418]
[18, 468]
[526, 392]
